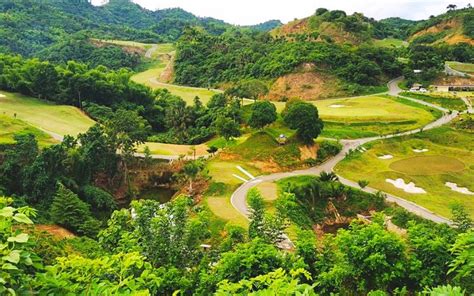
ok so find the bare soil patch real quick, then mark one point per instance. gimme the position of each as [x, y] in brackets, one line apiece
[307, 86]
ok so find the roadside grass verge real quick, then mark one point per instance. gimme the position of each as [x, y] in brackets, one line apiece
[462, 67]
[447, 101]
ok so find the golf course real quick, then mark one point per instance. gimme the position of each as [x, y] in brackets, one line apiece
[159, 72]
[438, 163]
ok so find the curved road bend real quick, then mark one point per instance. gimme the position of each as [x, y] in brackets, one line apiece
[238, 198]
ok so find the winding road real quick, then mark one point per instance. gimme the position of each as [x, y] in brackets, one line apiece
[451, 72]
[238, 198]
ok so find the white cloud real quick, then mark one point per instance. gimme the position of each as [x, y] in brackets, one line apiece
[246, 12]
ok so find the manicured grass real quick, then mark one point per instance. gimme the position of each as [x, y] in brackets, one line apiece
[351, 118]
[222, 143]
[223, 185]
[58, 119]
[450, 159]
[262, 148]
[10, 127]
[463, 67]
[144, 46]
[172, 149]
[445, 100]
[151, 77]
[391, 42]
[427, 165]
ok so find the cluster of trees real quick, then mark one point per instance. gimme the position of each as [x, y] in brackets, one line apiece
[203, 59]
[66, 180]
[78, 48]
[102, 93]
[310, 196]
[431, 60]
[155, 249]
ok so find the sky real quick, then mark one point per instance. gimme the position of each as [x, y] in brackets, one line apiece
[249, 12]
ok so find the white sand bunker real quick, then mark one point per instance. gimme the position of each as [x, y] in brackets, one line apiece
[387, 156]
[410, 187]
[337, 106]
[455, 187]
[420, 150]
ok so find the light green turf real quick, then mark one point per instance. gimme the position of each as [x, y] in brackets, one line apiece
[10, 127]
[219, 202]
[57, 119]
[463, 67]
[391, 42]
[144, 46]
[151, 77]
[450, 159]
[369, 116]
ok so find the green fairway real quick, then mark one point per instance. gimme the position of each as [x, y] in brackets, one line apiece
[152, 77]
[55, 119]
[448, 157]
[123, 43]
[10, 127]
[391, 42]
[351, 118]
[463, 67]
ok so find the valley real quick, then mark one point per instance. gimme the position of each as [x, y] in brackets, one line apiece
[157, 152]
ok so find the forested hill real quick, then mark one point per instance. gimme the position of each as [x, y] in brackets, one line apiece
[29, 26]
[338, 27]
[455, 26]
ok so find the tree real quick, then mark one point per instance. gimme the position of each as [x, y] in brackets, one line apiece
[17, 159]
[126, 129]
[263, 114]
[451, 7]
[461, 217]
[304, 118]
[212, 150]
[167, 234]
[328, 177]
[227, 127]
[430, 253]
[269, 228]
[462, 265]
[367, 258]
[248, 260]
[70, 211]
[19, 262]
[276, 282]
[191, 169]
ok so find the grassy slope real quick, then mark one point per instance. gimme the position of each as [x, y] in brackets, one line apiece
[463, 67]
[445, 100]
[61, 120]
[10, 126]
[441, 142]
[151, 77]
[391, 42]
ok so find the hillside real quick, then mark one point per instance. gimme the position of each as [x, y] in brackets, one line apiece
[331, 26]
[27, 27]
[452, 27]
